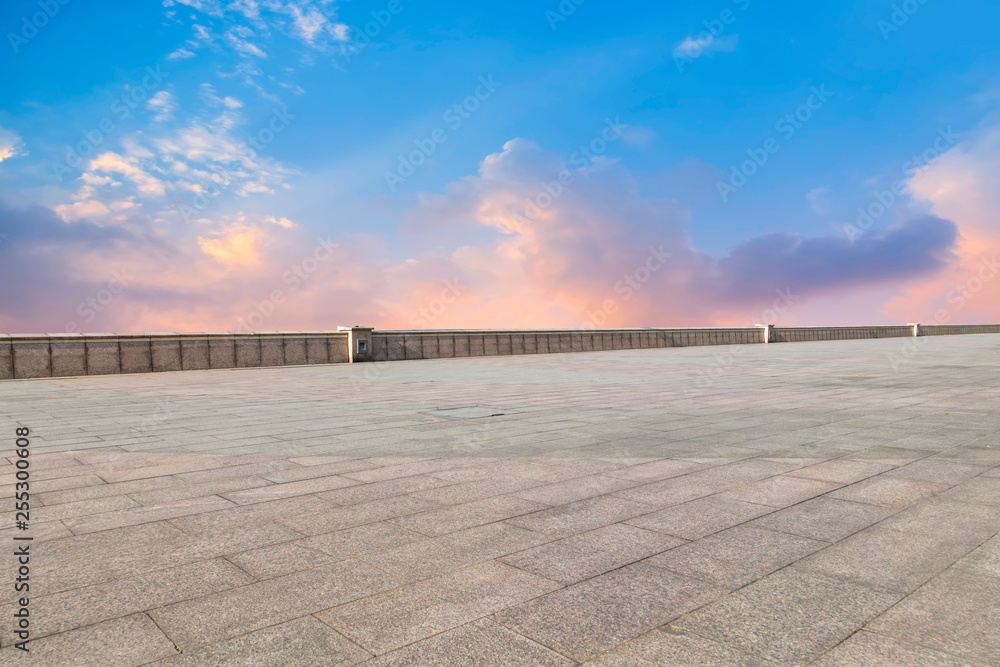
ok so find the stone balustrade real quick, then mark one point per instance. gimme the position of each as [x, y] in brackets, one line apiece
[62, 355]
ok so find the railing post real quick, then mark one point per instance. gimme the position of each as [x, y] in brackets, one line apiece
[359, 343]
[767, 332]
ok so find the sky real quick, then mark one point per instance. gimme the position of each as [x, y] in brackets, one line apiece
[291, 165]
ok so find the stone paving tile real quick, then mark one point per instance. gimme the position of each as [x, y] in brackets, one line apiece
[116, 474]
[956, 613]
[904, 551]
[233, 515]
[174, 493]
[133, 640]
[581, 516]
[939, 471]
[701, 517]
[465, 492]
[287, 490]
[889, 491]
[339, 518]
[483, 643]
[363, 493]
[675, 490]
[222, 472]
[823, 518]
[401, 616]
[468, 515]
[654, 471]
[41, 532]
[94, 604]
[360, 540]
[843, 471]
[598, 614]
[47, 491]
[572, 490]
[874, 650]
[123, 564]
[437, 555]
[110, 541]
[984, 559]
[791, 617]
[736, 556]
[979, 490]
[100, 489]
[751, 470]
[76, 509]
[666, 646]
[589, 554]
[131, 517]
[238, 611]
[310, 472]
[780, 491]
[304, 642]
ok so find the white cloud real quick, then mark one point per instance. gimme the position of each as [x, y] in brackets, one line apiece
[819, 200]
[10, 145]
[162, 104]
[281, 222]
[91, 179]
[82, 209]
[704, 44]
[181, 54]
[114, 163]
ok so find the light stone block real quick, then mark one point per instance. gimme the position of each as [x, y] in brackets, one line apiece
[135, 353]
[247, 348]
[317, 349]
[31, 356]
[295, 349]
[222, 351]
[103, 354]
[272, 349]
[165, 351]
[194, 352]
[69, 355]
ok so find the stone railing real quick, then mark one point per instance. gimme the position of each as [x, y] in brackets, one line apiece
[62, 355]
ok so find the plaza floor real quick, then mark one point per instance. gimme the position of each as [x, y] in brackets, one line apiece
[828, 503]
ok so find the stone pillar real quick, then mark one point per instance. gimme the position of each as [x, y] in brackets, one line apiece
[916, 329]
[766, 332]
[359, 343]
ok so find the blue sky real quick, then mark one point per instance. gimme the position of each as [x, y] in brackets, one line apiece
[693, 88]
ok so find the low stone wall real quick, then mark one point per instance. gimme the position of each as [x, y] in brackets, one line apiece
[62, 355]
[399, 345]
[956, 329]
[804, 334]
